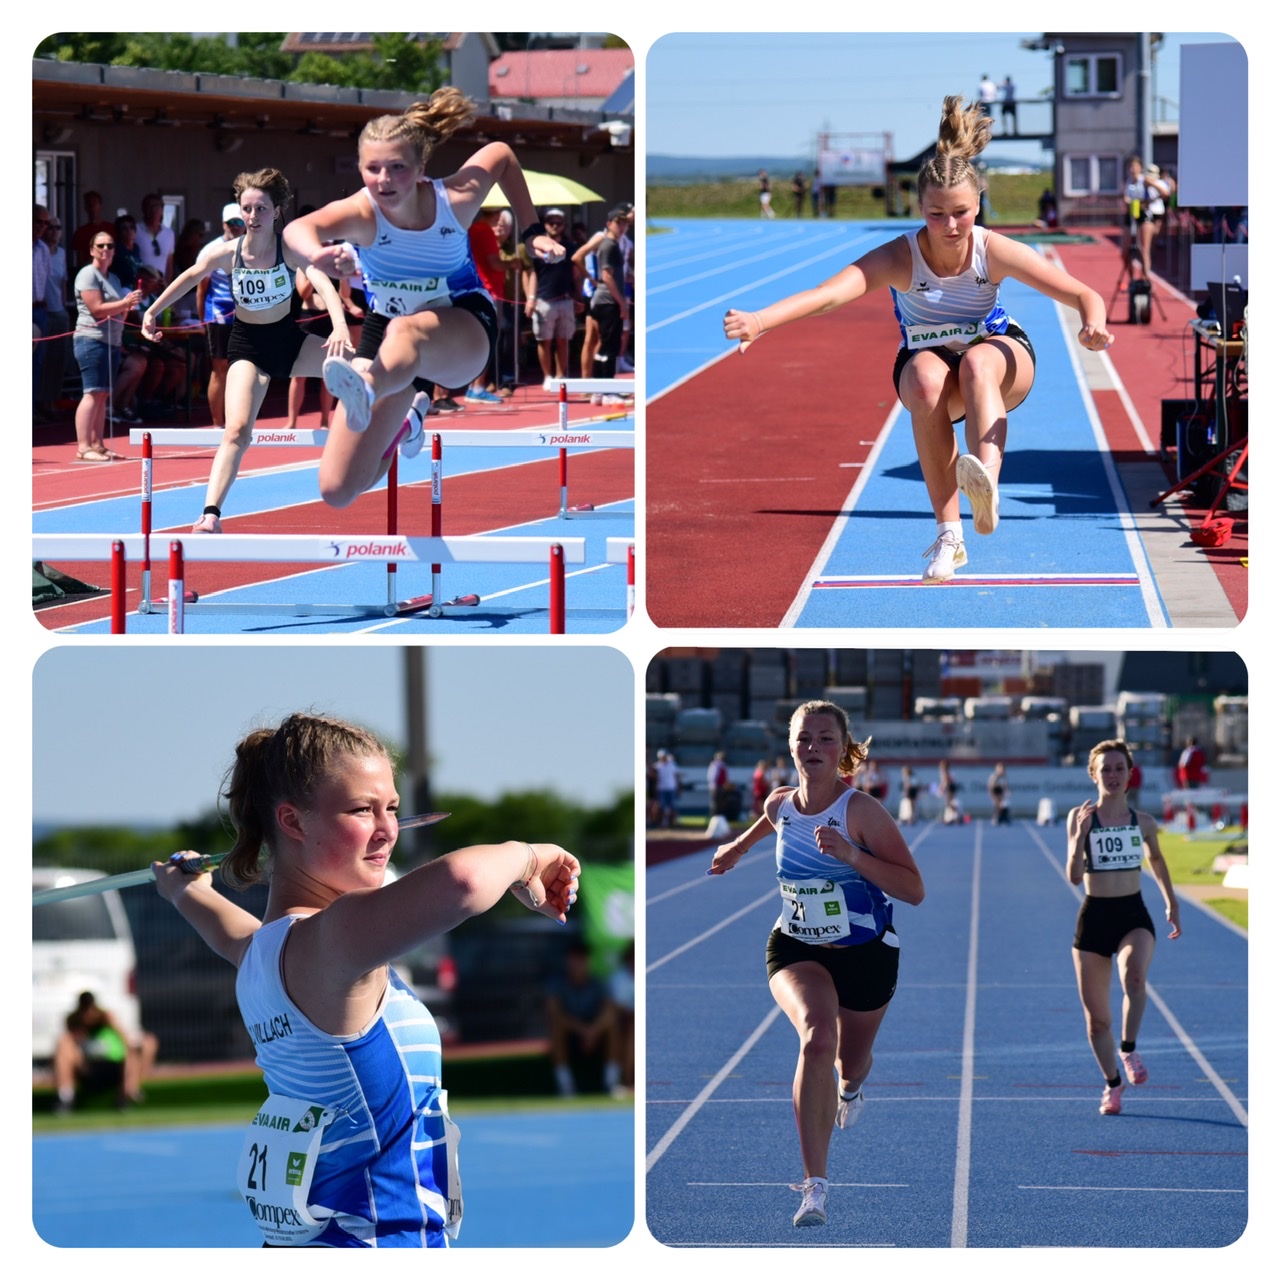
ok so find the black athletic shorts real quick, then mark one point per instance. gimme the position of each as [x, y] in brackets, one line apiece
[866, 975]
[272, 347]
[1016, 332]
[218, 335]
[1103, 923]
[479, 305]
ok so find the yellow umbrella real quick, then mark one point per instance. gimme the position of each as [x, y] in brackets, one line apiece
[546, 189]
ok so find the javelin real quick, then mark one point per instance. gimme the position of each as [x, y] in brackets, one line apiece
[197, 867]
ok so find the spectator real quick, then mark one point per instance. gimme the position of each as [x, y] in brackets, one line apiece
[40, 268]
[717, 783]
[947, 787]
[580, 1026]
[781, 774]
[910, 790]
[551, 301]
[668, 779]
[622, 996]
[101, 305]
[492, 266]
[58, 322]
[797, 193]
[155, 239]
[1135, 784]
[1191, 771]
[186, 249]
[766, 196]
[163, 377]
[872, 781]
[217, 308]
[998, 790]
[1048, 209]
[609, 302]
[128, 264]
[987, 94]
[1008, 107]
[759, 787]
[92, 224]
[95, 1052]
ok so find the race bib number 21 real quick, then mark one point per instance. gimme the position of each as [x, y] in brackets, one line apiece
[277, 1165]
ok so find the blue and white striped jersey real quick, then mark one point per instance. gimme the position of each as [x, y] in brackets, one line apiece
[382, 1170]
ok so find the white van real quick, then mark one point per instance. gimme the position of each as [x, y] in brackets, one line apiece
[83, 944]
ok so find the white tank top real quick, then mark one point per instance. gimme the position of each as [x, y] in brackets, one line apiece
[949, 311]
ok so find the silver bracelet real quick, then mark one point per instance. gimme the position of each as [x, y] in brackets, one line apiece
[530, 871]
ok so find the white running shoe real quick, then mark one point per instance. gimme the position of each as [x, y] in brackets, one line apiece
[356, 395]
[946, 555]
[813, 1207]
[848, 1109]
[977, 485]
[411, 445]
[208, 523]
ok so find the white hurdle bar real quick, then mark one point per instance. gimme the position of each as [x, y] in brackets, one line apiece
[310, 549]
[623, 551]
[310, 438]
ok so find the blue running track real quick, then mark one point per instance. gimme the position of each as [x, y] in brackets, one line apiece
[981, 1127]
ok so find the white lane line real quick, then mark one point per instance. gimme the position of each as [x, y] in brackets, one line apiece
[702, 937]
[964, 1124]
[712, 1085]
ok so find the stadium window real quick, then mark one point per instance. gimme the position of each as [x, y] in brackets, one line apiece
[1093, 75]
[1092, 175]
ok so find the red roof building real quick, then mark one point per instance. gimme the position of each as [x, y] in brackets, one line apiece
[579, 78]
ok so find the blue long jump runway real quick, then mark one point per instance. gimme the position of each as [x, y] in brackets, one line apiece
[1067, 545]
[513, 599]
[530, 1180]
[981, 1128]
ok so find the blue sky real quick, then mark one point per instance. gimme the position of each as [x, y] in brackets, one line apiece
[144, 734]
[721, 94]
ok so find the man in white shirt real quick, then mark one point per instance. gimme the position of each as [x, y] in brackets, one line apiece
[155, 240]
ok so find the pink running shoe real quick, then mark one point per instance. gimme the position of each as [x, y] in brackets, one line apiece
[1111, 1100]
[1133, 1067]
[208, 523]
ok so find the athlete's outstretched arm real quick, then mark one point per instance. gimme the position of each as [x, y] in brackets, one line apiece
[872, 271]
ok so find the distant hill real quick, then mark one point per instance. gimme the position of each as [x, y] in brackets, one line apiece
[670, 171]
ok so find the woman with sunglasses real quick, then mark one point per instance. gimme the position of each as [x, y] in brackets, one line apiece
[430, 319]
[266, 340]
[101, 306]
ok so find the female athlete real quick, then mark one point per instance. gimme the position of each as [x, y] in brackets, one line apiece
[354, 1147]
[832, 957]
[962, 357]
[266, 341]
[1106, 840]
[430, 317]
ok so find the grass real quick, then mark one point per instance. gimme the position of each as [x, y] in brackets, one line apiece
[1014, 199]
[476, 1084]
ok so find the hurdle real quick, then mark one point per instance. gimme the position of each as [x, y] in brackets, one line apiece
[311, 549]
[623, 551]
[313, 438]
[561, 440]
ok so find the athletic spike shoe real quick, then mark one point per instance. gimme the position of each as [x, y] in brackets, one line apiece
[1111, 1100]
[848, 1109]
[208, 523]
[977, 485]
[946, 555]
[813, 1206]
[411, 445]
[356, 395]
[1133, 1067]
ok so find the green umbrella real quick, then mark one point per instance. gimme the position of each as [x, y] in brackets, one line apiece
[546, 189]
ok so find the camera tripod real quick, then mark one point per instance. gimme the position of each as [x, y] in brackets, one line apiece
[1141, 292]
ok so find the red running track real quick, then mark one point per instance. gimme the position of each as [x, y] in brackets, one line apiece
[472, 503]
[820, 392]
